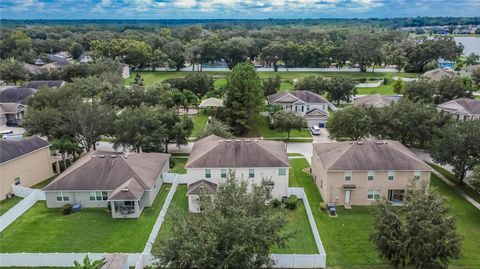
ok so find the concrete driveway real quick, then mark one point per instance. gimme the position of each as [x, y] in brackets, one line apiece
[323, 137]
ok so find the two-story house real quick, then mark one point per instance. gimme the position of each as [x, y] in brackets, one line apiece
[256, 161]
[358, 173]
[461, 109]
[306, 103]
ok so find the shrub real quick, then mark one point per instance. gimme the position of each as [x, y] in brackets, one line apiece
[276, 203]
[323, 206]
[67, 209]
[291, 202]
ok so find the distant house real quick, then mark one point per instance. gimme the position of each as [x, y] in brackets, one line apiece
[123, 183]
[213, 157]
[306, 103]
[39, 61]
[376, 100]
[125, 71]
[63, 55]
[462, 109]
[85, 58]
[24, 162]
[31, 68]
[56, 65]
[11, 113]
[16, 95]
[37, 84]
[439, 74]
[357, 173]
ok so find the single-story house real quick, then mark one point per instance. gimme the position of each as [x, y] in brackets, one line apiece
[376, 100]
[37, 84]
[461, 109]
[306, 103]
[357, 173]
[123, 183]
[11, 113]
[16, 95]
[439, 74]
[24, 162]
[255, 161]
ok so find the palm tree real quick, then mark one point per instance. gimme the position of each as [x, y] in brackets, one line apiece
[88, 264]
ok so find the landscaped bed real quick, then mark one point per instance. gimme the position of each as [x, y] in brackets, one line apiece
[42, 229]
[302, 241]
[6, 204]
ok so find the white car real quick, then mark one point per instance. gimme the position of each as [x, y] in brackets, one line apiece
[315, 130]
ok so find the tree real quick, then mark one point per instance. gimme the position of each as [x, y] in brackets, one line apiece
[350, 123]
[12, 70]
[76, 50]
[314, 84]
[459, 146]
[271, 85]
[389, 234]
[341, 89]
[177, 129]
[472, 59]
[476, 75]
[189, 98]
[175, 52]
[235, 50]
[287, 120]
[198, 83]
[237, 229]
[398, 86]
[138, 80]
[419, 91]
[431, 236]
[244, 96]
[364, 50]
[475, 180]
[88, 264]
[64, 145]
[451, 88]
[218, 128]
[272, 53]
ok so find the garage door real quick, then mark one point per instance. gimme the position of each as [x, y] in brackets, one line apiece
[321, 125]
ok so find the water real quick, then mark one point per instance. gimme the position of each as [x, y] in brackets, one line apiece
[471, 44]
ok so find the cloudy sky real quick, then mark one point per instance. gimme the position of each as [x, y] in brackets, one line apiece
[251, 9]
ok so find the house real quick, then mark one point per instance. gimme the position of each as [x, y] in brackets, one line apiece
[24, 162]
[357, 173]
[306, 103]
[11, 113]
[37, 84]
[256, 161]
[376, 100]
[16, 95]
[439, 74]
[123, 183]
[462, 109]
[56, 65]
[32, 69]
[85, 58]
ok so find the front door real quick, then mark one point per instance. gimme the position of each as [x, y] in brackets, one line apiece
[347, 197]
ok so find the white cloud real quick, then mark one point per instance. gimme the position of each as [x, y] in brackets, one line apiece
[185, 3]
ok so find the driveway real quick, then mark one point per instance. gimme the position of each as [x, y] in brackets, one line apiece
[323, 137]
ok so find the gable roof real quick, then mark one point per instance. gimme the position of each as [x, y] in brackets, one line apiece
[211, 102]
[214, 151]
[471, 106]
[94, 172]
[11, 108]
[315, 112]
[37, 84]
[16, 95]
[11, 149]
[370, 154]
[295, 96]
[438, 74]
[130, 190]
[375, 100]
[201, 187]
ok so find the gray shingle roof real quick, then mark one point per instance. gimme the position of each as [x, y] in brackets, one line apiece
[16, 95]
[92, 172]
[201, 187]
[130, 190]
[379, 155]
[214, 151]
[293, 96]
[37, 84]
[375, 100]
[11, 149]
[472, 106]
[438, 74]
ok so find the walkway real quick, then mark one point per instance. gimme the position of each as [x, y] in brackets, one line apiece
[457, 189]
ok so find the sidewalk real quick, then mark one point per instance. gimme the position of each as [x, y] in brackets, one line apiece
[457, 190]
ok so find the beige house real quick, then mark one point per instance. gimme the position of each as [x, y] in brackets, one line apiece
[23, 162]
[123, 183]
[376, 100]
[256, 161]
[357, 173]
[462, 109]
[439, 74]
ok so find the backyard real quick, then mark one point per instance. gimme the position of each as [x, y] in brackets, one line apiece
[450, 176]
[6, 204]
[42, 229]
[302, 241]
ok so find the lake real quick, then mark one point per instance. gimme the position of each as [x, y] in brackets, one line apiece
[471, 44]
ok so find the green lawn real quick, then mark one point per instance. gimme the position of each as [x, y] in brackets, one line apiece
[91, 230]
[43, 184]
[345, 238]
[6, 204]
[179, 167]
[301, 242]
[260, 128]
[199, 122]
[450, 176]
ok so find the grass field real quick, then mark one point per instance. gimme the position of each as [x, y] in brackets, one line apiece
[345, 238]
[260, 129]
[42, 229]
[199, 122]
[450, 176]
[179, 167]
[6, 204]
[43, 184]
[302, 240]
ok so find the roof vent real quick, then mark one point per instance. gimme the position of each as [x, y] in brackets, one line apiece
[93, 156]
[101, 156]
[125, 189]
[228, 140]
[238, 140]
[350, 142]
[359, 142]
[378, 142]
[113, 156]
[247, 140]
[256, 140]
[219, 141]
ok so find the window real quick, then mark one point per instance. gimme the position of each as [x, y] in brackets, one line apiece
[373, 194]
[98, 196]
[208, 173]
[302, 108]
[391, 175]
[417, 175]
[17, 181]
[251, 173]
[62, 197]
[348, 175]
[269, 184]
[223, 173]
[308, 107]
[321, 184]
[92, 196]
[371, 175]
[104, 196]
[282, 171]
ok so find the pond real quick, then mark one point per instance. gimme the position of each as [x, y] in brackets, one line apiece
[471, 44]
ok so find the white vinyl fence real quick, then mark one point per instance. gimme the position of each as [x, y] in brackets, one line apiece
[31, 197]
[375, 84]
[55, 259]
[172, 177]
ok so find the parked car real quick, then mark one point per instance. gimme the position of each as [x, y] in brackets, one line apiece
[315, 130]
